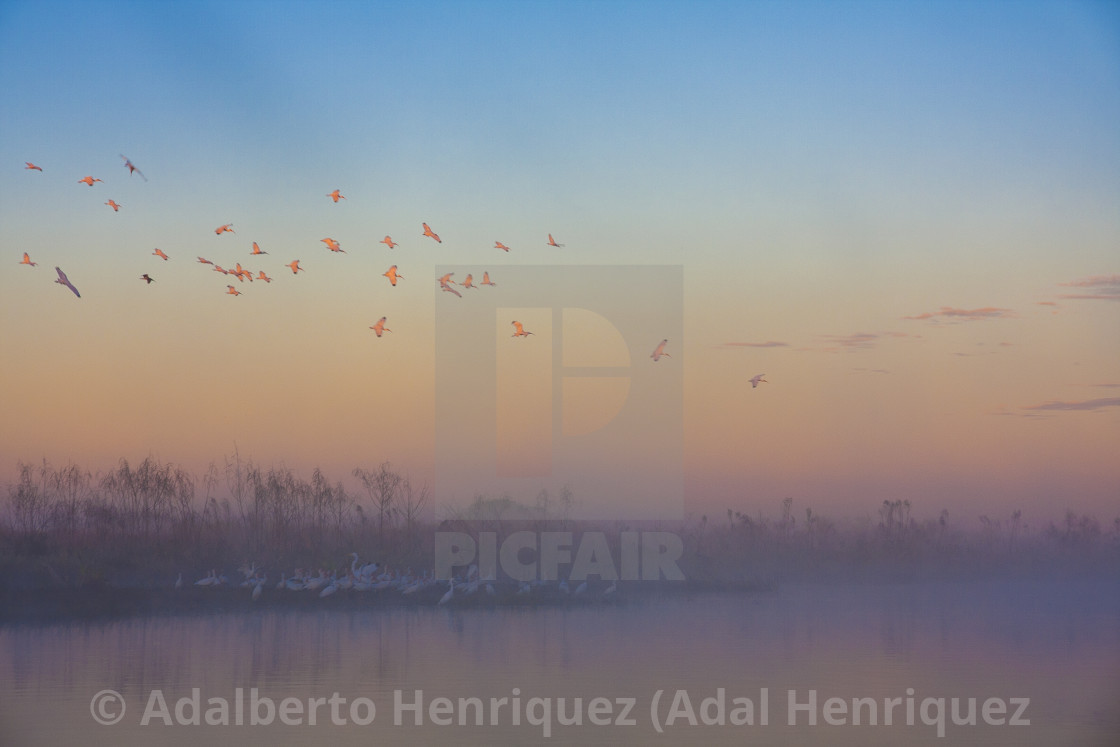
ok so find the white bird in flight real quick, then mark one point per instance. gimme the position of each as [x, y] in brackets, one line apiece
[660, 351]
[756, 380]
[63, 280]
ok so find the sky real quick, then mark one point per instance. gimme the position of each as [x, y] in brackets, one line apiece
[905, 215]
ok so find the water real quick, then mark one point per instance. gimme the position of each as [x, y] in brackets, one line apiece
[1056, 644]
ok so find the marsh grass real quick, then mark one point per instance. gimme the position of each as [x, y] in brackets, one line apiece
[139, 526]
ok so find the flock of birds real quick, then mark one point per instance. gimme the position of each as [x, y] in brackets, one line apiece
[373, 577]
[446, 283]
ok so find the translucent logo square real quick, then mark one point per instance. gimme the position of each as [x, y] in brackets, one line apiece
[565, 414]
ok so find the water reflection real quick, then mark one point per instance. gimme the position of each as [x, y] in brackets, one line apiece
[1057, 643]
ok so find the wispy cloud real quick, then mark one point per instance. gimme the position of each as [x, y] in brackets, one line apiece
[1098, 288]
[857, 341]
[767, 344]
[967, 315]
[1089, 404]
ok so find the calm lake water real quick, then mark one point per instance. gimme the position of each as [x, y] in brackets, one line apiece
[1050, 649]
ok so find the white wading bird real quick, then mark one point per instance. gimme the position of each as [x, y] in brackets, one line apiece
[63, 280]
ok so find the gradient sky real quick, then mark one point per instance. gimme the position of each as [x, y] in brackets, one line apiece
[907, 215]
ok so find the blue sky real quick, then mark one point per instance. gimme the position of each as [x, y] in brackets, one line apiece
[820, 170]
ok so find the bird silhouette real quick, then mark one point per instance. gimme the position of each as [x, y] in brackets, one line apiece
[380, 327]
[756, 380]
[132, 169]
[63, 280]
[148, 278]
[660, 351]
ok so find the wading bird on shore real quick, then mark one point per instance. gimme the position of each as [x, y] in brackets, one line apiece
[32, 166]
[148, 278]
[756, 380]
[132, 169]
[63, 280]
[430, 233]
[660, 351]
[519, 331]
[380, 327]
[388, 242]
[336, 195]
[393, 275]
[159, 253]
[294, 264]
[552, 241]
[88, 180]
[224, 229]
[27, 261]
[115, 205]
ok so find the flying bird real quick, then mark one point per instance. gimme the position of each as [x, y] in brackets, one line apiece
[232, 291]
[159, 253]
[223, 229]
[27, 261]
[336, 195]
[380, 327]
[469, 282]
[32, 166]
[429, 232]
[446, 279]
[552, 241]
[257, 250]
[392, 274]
[333, 245]
[519, 331]
[132, 169]
[449, 289]
[148, 277]
[219, 268]
[756, 380]
[486, 279]
[660, 351]
[389, 242]
[294, 264]
[204, 261]
[88, 180]
[264, 277]
[500, 245]
[115, 205]
[63, 280]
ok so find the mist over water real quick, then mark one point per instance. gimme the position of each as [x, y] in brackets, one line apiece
[1056, 643]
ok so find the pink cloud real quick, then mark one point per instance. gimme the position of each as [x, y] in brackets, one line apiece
[968, 315]
[1102, 288]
